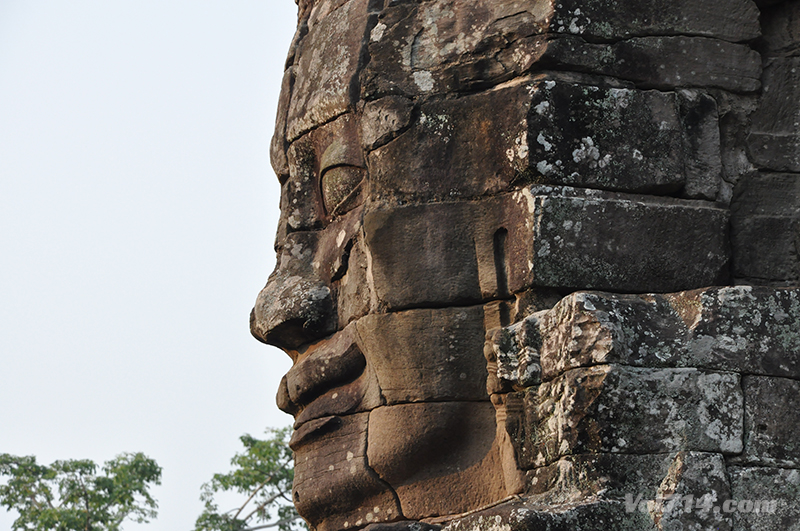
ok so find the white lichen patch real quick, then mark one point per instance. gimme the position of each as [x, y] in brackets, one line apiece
[542, 108]
[424, 80]
[377, 32]
[586, 152]
[541, 139]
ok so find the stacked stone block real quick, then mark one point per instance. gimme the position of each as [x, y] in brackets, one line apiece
[630, 393]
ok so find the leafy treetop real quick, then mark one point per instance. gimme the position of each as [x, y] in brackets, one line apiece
[72, 496]
[263, 473]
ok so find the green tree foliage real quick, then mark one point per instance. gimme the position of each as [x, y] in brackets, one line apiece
[72, 496]
[263, 473]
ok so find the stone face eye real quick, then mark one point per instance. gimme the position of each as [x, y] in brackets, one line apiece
[341, 188]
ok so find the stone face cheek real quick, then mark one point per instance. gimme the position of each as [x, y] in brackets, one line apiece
[423, 450]
[466, 252]
[334, 486]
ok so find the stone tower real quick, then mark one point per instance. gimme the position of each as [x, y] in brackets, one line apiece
[537, 262]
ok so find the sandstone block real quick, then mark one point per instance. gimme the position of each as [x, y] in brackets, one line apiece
[613, 408]
[662, 62]
[661, 486]
[744, 329]
[383, 119]
[426, 354]
[782, 29]
[585, 239]
[609, 138]
[423, 450]
[277, 151]
[771, 416]
[552, 131]
[766, 203]
[773, 492]
[519, 515]
[702, 145]
[729, 20]
[774, 139]
[436, 254]
[445, 45]
[436, 159]
[334, 487]
[550, 237]
[326, 68]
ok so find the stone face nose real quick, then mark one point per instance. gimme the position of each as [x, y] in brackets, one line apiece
[292, 310]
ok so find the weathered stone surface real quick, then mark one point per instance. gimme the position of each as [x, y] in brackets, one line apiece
[553, 238]
[702, 145]
[435, 158]
[334, 487]
[773, 492]
[405, 525]
[774, 140]
[613, 408]
[277, 152]
[445, 45]
[522, 515]
[552, 131]
[729, 20]
[442, 354]
[614, 139]
[383, 120]
[592, 240]
[293, 309]
[433, 254]
[426, 151]
[772, 414]
[781, 29]
[660, 486]
[661, 62]
[298, 304]
[742, 329]
[766, 203]
[421, 450]
[327, 68]
[353, 293]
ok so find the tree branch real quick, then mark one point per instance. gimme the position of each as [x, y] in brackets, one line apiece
[262, 505]
[273, 524]
[263, 484]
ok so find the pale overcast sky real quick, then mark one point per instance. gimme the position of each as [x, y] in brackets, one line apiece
[137, 215]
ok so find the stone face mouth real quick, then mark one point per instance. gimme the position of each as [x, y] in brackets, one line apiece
[328, 379]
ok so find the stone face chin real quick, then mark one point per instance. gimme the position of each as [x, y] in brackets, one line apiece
[538, 264]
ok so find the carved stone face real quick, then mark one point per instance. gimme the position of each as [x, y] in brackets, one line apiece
[448, 168]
